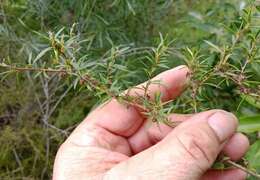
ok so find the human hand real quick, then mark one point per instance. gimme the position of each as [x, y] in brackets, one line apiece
[114, 142]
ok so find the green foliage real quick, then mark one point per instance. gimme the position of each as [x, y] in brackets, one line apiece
[78, 54]
[249, 124]
[253, 157]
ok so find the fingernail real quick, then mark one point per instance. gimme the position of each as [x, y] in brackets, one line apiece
[224, 124]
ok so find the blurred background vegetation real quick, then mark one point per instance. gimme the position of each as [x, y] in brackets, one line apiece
[113, 39]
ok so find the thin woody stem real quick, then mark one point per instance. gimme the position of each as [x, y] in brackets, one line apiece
[22, 69]
[86, 78]
[234, 164]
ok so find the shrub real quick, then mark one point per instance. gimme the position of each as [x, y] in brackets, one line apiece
[77, 54]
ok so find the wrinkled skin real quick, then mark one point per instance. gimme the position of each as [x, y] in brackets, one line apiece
[115, 141]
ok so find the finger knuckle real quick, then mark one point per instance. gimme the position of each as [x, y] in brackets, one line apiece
[200, 145]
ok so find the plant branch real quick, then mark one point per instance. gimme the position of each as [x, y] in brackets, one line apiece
[234, 164]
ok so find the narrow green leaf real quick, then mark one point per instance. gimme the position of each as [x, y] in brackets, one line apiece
[131, 8]
[214, 46]
[41, 54]
[251, 100]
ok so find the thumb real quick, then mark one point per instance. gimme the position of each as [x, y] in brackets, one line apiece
[186, 153]
[199, 140]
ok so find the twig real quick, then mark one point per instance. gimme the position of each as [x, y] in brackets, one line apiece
[19, 69]
[86, 78]
[18, 160]
[234, 164]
